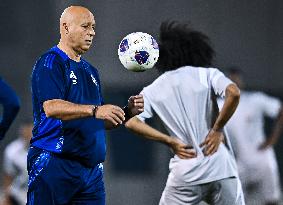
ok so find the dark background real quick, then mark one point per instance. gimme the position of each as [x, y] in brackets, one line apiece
[248, 34]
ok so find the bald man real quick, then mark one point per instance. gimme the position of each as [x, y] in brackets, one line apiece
[70, 118]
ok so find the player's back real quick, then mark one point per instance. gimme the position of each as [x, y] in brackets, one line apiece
[185, 100]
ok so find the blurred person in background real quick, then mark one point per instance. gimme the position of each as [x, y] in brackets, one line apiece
[10, 104]
[184, 98]
[15, 171]
[254, 151]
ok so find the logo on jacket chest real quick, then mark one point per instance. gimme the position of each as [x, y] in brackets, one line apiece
[94, 80]
[73, 77]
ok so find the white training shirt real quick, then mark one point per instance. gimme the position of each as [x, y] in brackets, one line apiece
[185, 100]
[15, 165]
[246, 129]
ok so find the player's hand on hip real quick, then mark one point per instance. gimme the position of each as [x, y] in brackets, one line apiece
[111, 113]
[212, 142]
[270, 141]
[182, 150]
[135, 105]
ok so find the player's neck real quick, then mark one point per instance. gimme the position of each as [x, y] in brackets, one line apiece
[72, 54]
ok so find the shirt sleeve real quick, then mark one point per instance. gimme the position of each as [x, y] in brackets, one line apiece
[219, 82]
[48, 78]
[11, 106]
[148, 111]
[270, 105]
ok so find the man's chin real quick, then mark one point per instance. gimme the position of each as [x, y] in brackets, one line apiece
[84, 49]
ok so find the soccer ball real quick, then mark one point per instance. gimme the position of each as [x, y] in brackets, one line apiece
[138, 51]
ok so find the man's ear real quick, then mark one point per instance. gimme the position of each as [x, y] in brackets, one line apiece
[66, 28]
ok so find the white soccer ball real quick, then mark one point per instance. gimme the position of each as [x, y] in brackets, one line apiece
[138, 51]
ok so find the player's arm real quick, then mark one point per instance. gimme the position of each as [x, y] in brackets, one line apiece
[49, 85]
[64, 110]
[232, 97]
[215, 136]
[11, 106]
[135, 106]
[143, 129]
[275, 132]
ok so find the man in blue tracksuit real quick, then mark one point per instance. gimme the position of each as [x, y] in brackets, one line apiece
[70, 118]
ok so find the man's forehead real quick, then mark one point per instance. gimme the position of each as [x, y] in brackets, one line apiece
[85, 17]
[77, 14]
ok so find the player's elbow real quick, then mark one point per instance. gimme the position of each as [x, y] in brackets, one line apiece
[48, 113]
[232, 91]
[48, 108]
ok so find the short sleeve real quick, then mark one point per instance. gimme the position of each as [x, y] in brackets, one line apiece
[270, 105]
[148, 112]
[48, 80]
[219, 82]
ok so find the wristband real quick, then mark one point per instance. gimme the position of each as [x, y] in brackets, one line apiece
[127, 114]
[94, 110]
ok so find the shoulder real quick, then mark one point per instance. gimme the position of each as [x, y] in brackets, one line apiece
[157, 85]
[49, 60]
[214, 71]
[261, 96]
[257, 95]
[89, 66]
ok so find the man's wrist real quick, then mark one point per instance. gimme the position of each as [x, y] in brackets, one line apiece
[169, 141]
[127, 113]
[94, 110]
[217, 129]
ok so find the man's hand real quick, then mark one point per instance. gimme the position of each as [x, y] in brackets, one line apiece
[182, 150]
[212, 142]
[270, 141]
[111, 113]
[135, 105]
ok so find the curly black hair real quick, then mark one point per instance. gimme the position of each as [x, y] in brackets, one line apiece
[180, 45]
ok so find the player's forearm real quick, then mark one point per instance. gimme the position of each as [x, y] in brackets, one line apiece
[147, 131]
[65, 110]
[277, 128]
[232, 97]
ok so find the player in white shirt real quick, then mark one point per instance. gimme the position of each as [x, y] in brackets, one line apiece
[255, 156]
[184, 97]
[15, 167]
